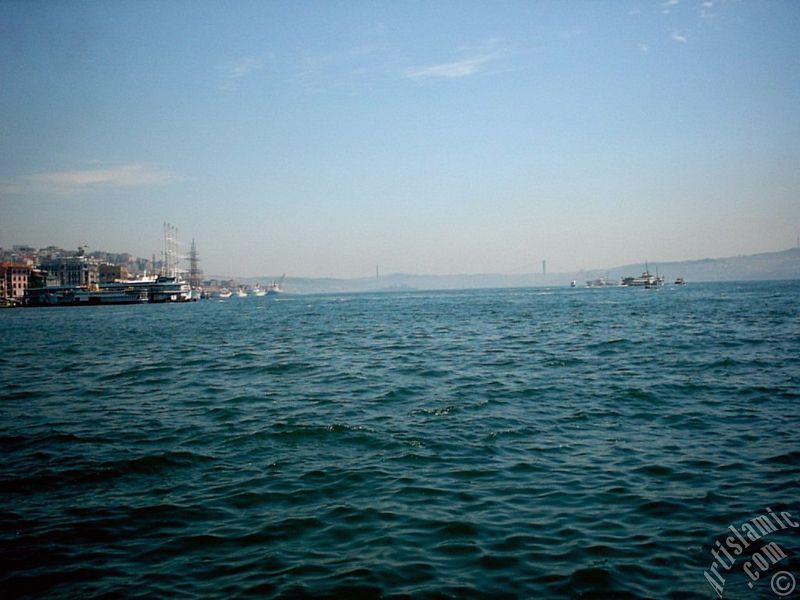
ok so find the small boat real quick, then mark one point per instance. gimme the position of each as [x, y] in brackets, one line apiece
[573, 283]
[680, 281]
[241, 293]
[258, 291]
[276, 287]
[224, 293]
[601, 282]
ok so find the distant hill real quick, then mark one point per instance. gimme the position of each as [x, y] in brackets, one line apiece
[768, 265]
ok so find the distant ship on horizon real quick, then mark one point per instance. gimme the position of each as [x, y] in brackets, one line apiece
[602, 282]
[646, 279]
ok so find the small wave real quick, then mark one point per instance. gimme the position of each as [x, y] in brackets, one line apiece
[22, 441]
[787, 458]
[460, 549]
[722, 363]
[345, 433]
[440, 411]
[611, 346]
[636, 393]
[655, 471]
[11, 394]
[495, 562]
[592, 579]
[99, 472]
[562, 361]
[661, 508]
[399, 394]
[138, 373]
[281, 368]
[458, 529]
[155, 463]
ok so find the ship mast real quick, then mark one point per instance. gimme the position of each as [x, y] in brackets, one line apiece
[170, 251]
[195, 273]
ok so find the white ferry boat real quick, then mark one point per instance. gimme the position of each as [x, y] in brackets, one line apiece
[159, 289]
[646, 280]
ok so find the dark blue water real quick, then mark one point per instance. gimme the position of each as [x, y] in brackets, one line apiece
[509, 443]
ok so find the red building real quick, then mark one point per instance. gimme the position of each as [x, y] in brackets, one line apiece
[14, 279]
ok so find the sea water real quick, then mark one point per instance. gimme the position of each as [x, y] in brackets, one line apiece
[542, 443]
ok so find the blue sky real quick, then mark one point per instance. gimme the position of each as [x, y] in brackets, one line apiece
[323, 138]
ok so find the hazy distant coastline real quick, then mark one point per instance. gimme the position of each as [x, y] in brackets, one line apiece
[754, 267]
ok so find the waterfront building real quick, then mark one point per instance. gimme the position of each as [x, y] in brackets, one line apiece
[108, 273]
[15, 279]
[76, 271]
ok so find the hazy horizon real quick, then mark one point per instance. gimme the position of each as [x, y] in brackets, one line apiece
[320, 139]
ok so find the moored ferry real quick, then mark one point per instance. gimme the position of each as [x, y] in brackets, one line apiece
[82, 296]
[135, 291]
[159, 289]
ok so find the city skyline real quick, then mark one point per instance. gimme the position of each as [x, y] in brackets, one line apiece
[322, 139]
